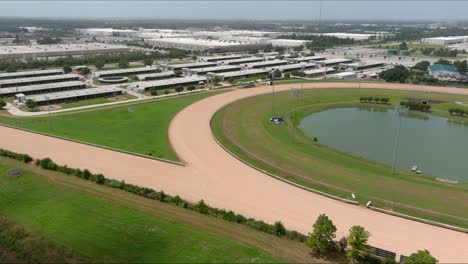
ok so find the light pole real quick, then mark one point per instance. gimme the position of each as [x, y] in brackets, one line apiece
[401, 111]
[294, 93]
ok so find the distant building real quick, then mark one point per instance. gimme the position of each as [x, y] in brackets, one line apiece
[443, 71]
[445, 40]
[206, 44]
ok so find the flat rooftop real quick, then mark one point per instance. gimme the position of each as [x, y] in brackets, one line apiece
[335, 61]
[12, 75]
[39, 87]
[38, 79]
[190, 65]
[216, 68]
[167, 82]
[242, 60]
[155, 75]
[217, 58]
[242, 73]
[57, 48]
[210, 43]
[318, 71]
[125, 71]
[293, 66]
[309, 58]
[72, 94]
[266, 63]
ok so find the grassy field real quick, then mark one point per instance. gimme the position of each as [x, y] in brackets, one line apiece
[108, 225]
[144, 131]
[243, 127]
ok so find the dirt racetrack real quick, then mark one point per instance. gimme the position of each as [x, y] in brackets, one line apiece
[225, 182]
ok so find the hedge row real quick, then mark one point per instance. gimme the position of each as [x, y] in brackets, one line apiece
[277, 228]
[416, 106]
[17, 156]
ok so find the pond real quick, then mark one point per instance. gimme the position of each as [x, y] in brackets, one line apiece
[438, 147]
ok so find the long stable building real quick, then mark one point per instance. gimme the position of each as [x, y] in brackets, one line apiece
[125, 72]
[263, 64]
[29, 74]
[42, 88]
[38, 80]
[166, 83]
[194, 65]
[72, 96]
[293, 67]
[319, 71]
[220, 58]
[221, 68]
[155, 76]
[242, 60]
[307, 59]
[238, 74]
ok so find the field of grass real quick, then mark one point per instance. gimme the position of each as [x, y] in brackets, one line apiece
[144, 131]
[93, 101]
[243, 127]
[103, 224]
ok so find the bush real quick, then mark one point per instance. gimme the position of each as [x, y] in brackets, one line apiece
[154, 92]
[416, 106]
[279, 228]
[17, 156]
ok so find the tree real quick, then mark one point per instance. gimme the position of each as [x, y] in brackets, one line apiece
[279, 229]
[2, 103]
[422, 65]
[85, 70]
[398, 74]
[31, 104]
[148, 61]
[443, 61]
[403, 46]
[191, 87]
[462, 66]
[421, 257]
[277, 73]
[322, 237]
[99, 64]
[177, 73]
[123, 63]
[377, 100]
[179, 89]
[216, 80]
[357, 240]
[67, 69]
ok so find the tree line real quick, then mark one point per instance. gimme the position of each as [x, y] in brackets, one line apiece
[458, 112]
[370, 99]
[416, 106]
[320, 42]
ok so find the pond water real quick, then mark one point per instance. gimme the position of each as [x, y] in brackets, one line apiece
[438, 146]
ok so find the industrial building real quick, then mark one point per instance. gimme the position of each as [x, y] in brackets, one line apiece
[200, 44]
[263, 64]
[445, 40]
[306, 59]
[331, 62]
[38, 80]
[194, 65]
[215, 69]
[155, 76]
[166, 83]
[319, 71]
[70, 96]
[288, 42]
[356, 36]
[28, 74]
[242, 60]
[220, 58]
[293, 67]
[42, 88]
[58, 50]
[238, 74]
[125, 72]
[443, 71]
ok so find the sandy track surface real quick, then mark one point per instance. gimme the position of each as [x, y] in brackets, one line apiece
[223, 181]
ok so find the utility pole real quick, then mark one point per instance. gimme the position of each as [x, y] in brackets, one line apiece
[400, 111]
[294, 93]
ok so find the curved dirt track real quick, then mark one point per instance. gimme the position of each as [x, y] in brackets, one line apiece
[223, 181]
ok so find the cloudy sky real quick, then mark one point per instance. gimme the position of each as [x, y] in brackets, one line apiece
[258, 10]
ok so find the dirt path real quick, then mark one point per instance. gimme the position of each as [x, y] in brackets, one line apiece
[223, 181]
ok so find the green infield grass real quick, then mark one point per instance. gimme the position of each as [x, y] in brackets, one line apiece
[103, 224]
[139, 127]
[243, 128]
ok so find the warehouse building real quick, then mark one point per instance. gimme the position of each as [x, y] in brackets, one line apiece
[195, 65]
[445, 40]
[288, 42]
[306, 59]
[332, 62]
[125, 72]
[345, 75]
[263, 64]
[200, 44]
[166, 83]
[443, 71]
[293, 67]
[319, 71]
[28, 74]
[242, 60]
[238, 74]
[38, 80]
[220, 58]
[215, 69]
[70, 96]
[155, 76]
[58, 50]
[42, 88]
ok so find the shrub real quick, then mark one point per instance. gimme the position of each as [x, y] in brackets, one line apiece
[17, 156]
[279, 230]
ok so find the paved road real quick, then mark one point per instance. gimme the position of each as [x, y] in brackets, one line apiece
[223, 181]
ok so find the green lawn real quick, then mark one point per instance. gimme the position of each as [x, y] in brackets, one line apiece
[94, 101]
[243, 127]
[108, 225]
[144, 131]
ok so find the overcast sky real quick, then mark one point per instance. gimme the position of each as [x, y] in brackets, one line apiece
[258, 10]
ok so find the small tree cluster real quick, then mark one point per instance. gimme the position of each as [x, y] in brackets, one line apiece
[457, 111]
[416, 106]
[2, 103]
[370, 99]
[17, 156]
